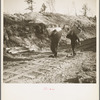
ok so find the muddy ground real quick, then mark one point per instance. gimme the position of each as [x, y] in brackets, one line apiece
[30, 67]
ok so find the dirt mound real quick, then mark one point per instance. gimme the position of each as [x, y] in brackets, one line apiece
[22, 33]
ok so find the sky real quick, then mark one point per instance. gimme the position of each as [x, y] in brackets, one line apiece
[61, 6]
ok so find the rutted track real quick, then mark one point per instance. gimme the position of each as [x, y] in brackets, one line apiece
[42, 69]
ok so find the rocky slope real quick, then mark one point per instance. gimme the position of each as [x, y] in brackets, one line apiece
[22, 30]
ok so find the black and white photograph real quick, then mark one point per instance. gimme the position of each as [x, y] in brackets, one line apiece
[50, 41]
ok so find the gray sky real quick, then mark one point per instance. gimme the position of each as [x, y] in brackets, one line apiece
[61, 6]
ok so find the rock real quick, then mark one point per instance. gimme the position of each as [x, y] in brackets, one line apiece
[72, 80]
[85, 78]
[88, 80]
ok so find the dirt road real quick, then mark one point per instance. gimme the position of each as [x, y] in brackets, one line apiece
[39, 68]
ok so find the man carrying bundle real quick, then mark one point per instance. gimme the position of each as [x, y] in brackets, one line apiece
[73, 36]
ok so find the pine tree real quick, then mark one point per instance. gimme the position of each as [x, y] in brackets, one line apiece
[85, 9]
[43, 8]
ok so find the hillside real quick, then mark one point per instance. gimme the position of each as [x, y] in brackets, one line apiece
[20, 29]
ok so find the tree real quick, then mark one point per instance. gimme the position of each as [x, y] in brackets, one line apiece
[85, 9]
[43, 8]
[30, 3]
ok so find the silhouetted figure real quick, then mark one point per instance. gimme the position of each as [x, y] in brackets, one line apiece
[73, 36]
[55, 38]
